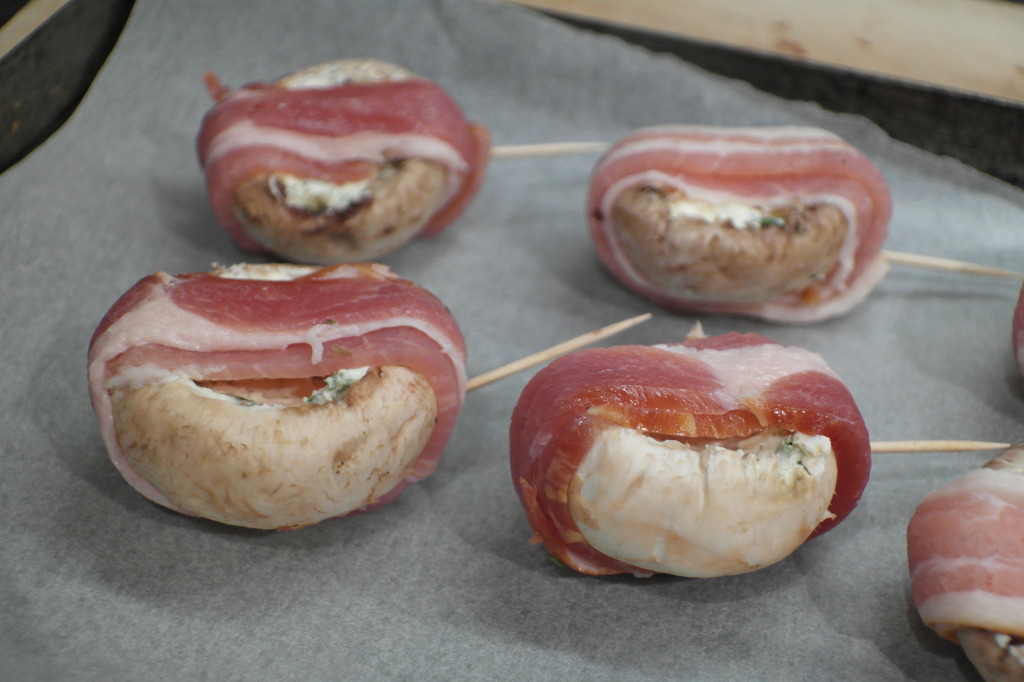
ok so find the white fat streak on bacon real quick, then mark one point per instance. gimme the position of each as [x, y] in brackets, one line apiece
[724, 142]
[157, 320]
[748, 372]
[947, 612]
[367, 145]
[845, 301]
[1003, 484]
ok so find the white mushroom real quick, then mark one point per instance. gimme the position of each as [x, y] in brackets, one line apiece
[727, 251]
[275, 454]
[702, 510]
[997, 657]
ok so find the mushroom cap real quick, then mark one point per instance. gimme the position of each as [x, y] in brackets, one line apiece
[275, 466]
[702, 254]
[701, 511]
[996, 656]
[313, 221]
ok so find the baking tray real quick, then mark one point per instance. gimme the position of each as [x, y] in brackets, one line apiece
[98, 583]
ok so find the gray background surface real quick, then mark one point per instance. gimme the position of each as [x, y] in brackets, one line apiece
[97, 583]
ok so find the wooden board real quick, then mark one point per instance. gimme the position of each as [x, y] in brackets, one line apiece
[29, 18]
[973, 46]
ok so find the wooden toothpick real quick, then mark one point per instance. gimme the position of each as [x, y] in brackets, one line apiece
[554, 351]
[935, 446]
[949, 264]
[877, 447]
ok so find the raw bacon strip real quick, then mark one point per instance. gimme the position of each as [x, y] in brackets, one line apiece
[337, 132]
[777, 171]
[965, 551]
[300, 323]
[1018, 331]
[720, 389]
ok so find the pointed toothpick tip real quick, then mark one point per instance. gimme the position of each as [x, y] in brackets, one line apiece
[554, 351]
[949, 265]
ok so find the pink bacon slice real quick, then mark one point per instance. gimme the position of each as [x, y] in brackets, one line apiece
[785, 169]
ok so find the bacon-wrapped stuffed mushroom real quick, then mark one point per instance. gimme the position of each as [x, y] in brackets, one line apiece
[965, 550]
[339, 162]
[711, 457]
[276, 396]
[784, 224]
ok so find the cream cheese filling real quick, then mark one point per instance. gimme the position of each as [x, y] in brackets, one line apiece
[268, 272]
[343, 71]
[739, 216]
[318, 196]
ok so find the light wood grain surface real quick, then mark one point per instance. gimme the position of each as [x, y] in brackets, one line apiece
[30, 17]
[974, 46]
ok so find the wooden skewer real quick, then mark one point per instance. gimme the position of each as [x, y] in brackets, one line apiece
[887, 446]
[935, 446]
[554, 351]
[949, 264]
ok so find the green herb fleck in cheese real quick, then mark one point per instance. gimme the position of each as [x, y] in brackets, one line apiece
[336, 385]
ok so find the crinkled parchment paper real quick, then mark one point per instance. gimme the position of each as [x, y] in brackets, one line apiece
[98, 583]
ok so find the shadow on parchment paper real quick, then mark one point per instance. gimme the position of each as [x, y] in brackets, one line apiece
[101, 525]
[940, 648]
[1014, 381]
[550, 607]
[421, 254]
[581, 271]
[623, 621]
[891, 613]
[547, 219]
[979, 344]
[185, 211]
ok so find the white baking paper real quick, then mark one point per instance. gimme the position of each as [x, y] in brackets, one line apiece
[96, 583]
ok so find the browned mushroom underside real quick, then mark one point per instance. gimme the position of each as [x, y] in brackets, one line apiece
[993, 660]
[717, 261]
[401, 197]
